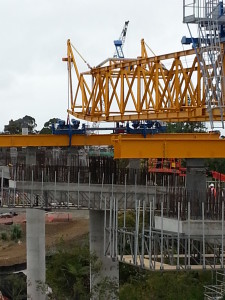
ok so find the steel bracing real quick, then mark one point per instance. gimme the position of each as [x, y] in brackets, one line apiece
[168, 87]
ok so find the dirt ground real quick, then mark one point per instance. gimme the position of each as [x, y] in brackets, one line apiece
[69, 230]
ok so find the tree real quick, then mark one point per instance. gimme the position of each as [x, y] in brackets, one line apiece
[141, 284]
[47, 129]
[15, 127]
[68, 273]
[186, 127]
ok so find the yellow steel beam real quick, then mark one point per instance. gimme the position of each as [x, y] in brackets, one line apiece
[197, 114]
[170, 147]
[193, 145]
[51, 140]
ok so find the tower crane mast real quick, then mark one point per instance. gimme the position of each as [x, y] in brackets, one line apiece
[209, 17]
[120, 42]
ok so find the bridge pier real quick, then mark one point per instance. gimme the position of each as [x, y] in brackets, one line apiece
[196, 183]
[30, 156]
[109, 272]
[35, 226]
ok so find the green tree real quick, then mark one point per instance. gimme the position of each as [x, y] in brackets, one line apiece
[68, 273]
[186, 127]
[15, 126]
[144, 285]
[47, 129]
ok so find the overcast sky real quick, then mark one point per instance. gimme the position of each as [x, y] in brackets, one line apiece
[33, 35]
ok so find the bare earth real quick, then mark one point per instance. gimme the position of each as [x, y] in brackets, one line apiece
[69, 230]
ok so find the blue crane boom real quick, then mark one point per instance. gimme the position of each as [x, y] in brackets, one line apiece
[120, 42]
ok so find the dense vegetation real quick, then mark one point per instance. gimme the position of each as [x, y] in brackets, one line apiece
[136, 284]
[14, 286]
[68, 273]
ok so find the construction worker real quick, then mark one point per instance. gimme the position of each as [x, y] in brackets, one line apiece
[212, 197]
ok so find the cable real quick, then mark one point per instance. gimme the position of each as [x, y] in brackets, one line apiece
[81, 57]
[150, 49]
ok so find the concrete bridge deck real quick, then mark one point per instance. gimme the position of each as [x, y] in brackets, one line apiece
[77, 195]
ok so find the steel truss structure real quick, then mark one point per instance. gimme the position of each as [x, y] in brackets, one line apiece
[209, 17]
[167, 87]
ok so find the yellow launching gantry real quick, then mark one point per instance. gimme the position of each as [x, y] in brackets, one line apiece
[175, 87]
[168, 88]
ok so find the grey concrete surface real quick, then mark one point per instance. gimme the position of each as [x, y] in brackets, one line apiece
[196, 179]
[35, 227]
[211, 227]
[109, 269]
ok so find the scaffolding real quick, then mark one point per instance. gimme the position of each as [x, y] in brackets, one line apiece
[217, 290]
[209, 17]
[157, 241]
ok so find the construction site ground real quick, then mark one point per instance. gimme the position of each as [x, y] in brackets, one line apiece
[68, 227]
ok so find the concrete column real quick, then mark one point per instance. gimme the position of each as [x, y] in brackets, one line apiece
[30, 156]
[35, 227]
[109, 268]
[196, 184]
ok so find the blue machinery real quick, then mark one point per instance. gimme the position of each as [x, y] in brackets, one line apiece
[137, 127]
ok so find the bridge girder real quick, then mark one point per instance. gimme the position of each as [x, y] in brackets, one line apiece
[196, 145]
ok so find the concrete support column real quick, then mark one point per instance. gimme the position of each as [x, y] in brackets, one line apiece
[109, 268]
[35, 226]
[196, 184]
[30, 156]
